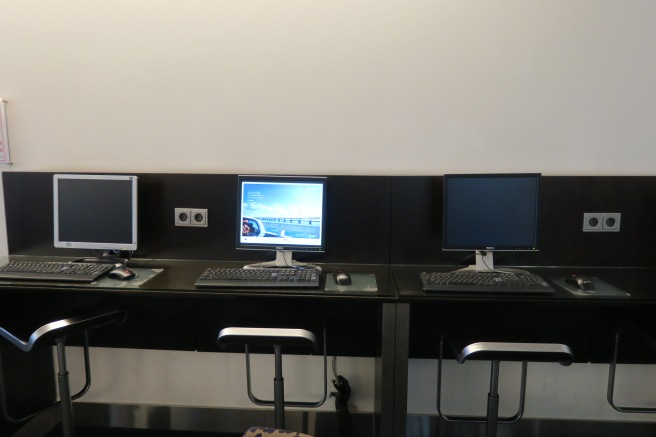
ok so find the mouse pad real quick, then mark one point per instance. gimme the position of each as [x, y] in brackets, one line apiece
[602, 288]
[359, 282]
[142, 275]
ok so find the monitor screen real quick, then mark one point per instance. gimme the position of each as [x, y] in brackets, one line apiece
[95, 212]
[491, 212]
[282, 213]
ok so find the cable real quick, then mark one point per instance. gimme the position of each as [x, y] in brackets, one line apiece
[342, 396]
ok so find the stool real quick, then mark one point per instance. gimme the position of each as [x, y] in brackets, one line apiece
[497, 352]
[277, 338]
[624, 326]
[58, 331]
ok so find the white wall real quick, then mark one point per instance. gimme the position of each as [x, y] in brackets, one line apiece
[347, 86]
[564, 87]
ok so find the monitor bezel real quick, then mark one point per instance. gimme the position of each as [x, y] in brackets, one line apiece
[106, 246]
[322, 180]
[448, 246]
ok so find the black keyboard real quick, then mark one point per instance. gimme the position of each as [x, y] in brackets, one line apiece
[53, 271]
[481, 282]
[259, 278]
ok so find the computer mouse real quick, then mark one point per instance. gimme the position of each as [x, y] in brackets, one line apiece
[342, 278]
[581, 282]
[122, 273]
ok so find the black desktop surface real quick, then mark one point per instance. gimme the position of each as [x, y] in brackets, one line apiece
[585, 323]
[168, 312]
[177, 277]
[639, 283]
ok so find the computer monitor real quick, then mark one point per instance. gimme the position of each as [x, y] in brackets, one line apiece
[95, 212]
[284, 214]
[487, 213]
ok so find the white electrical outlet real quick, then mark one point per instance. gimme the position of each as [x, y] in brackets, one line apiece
[191, 217]
[601, 221]
[183, 216]
[611, 221]
[199, 217]
[592, 221]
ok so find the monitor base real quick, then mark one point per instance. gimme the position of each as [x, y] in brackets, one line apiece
[485, 264]
[108, 257]
[283, 260]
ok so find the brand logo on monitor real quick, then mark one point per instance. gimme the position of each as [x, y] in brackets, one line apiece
[489, 247]
[280, 248]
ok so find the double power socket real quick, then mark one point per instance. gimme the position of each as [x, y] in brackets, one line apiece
[191, 217]
[601, 221]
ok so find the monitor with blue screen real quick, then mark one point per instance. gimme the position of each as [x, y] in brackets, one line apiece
[284, 214]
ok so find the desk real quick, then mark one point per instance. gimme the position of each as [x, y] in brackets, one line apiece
[586, 324]
[168, 312]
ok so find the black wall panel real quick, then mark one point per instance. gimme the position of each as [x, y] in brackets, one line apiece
[371, 219]
[357, 228]
[417, 223]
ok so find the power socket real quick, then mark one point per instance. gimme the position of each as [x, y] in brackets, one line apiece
[183, 216]
[191, 217]
[601, 221]
[592, 221]
[199, 217]
[611, 221]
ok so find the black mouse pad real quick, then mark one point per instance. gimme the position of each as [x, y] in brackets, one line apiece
[141, 276]
[360, 282]
[602, 288]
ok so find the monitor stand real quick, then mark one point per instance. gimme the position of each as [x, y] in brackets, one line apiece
[283, 259]
[485, 264]
[108, 257]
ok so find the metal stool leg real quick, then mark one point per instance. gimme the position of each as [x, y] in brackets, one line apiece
[64, 390]
[493, 402]
[279, 389]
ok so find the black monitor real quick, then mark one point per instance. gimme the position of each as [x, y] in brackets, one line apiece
[284, 214]
[486, 213]
[95, 212]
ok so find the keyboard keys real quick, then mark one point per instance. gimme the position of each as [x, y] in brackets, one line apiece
[53, 271]
[483, 282]
[259, 278]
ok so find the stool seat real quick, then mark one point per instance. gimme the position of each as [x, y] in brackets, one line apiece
[276, 338]
[57, 332]
[267, 337]
[507, 351]
[64, 327]
[495, 352]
